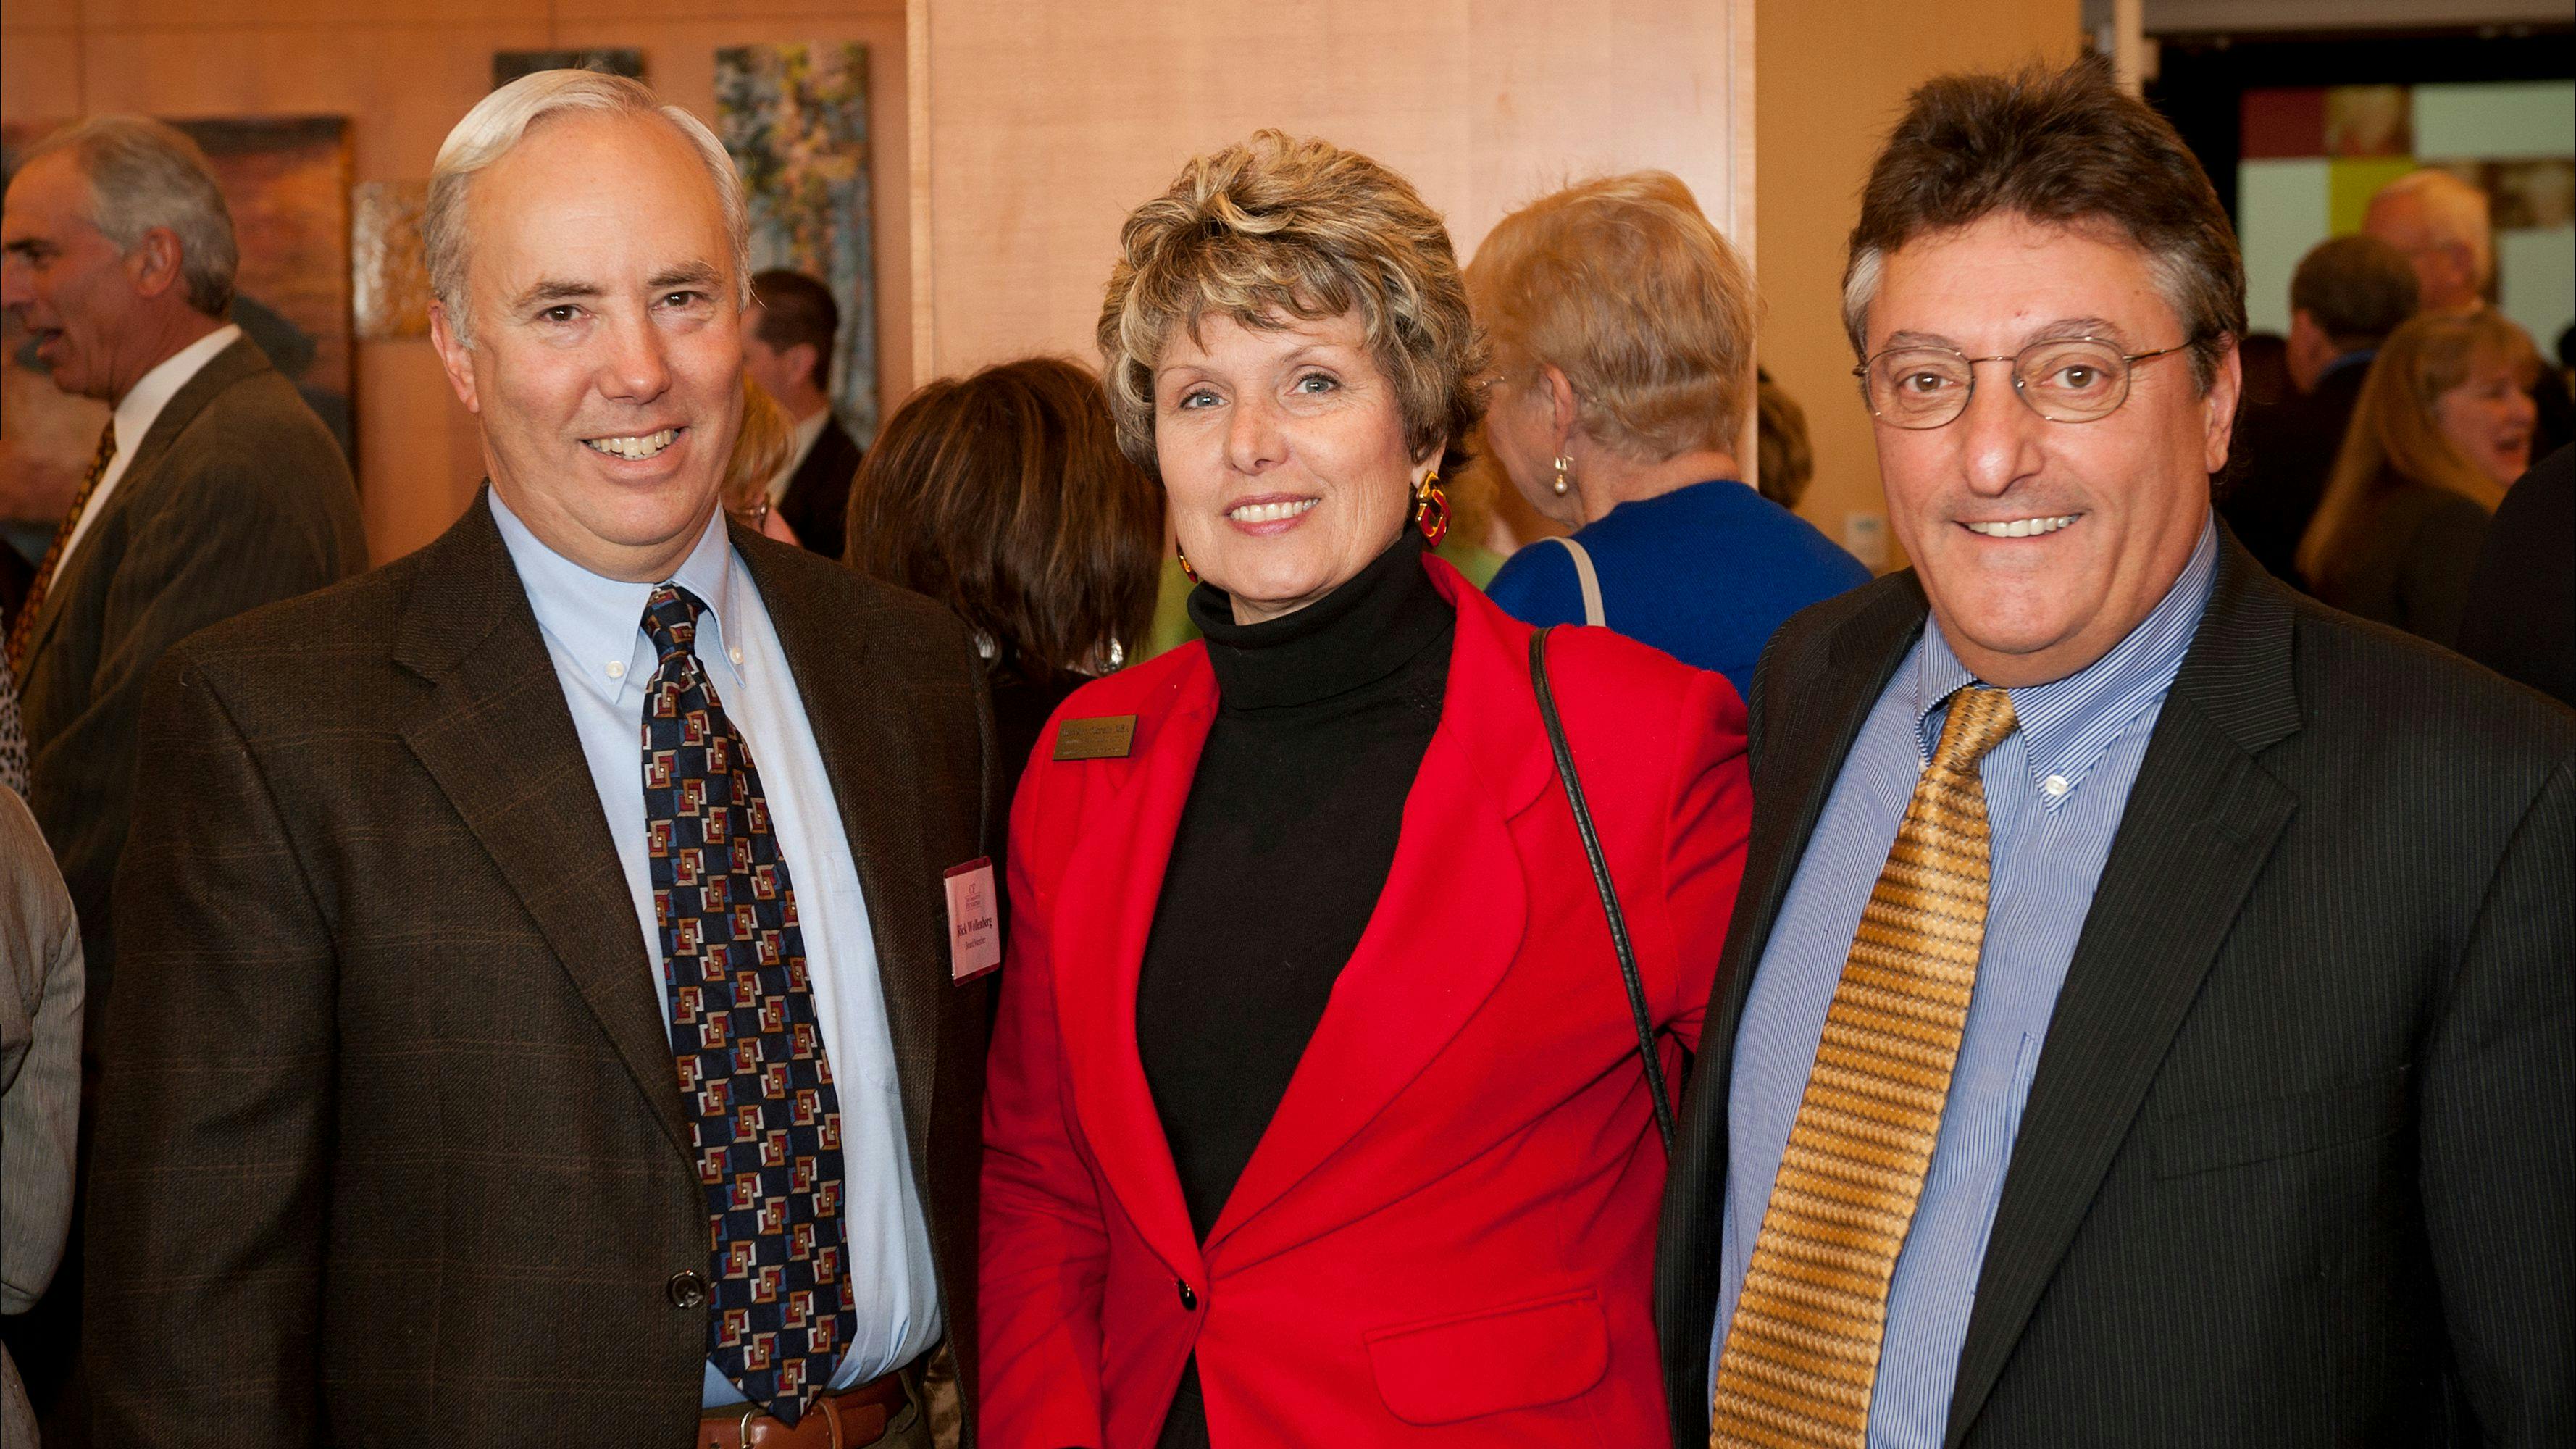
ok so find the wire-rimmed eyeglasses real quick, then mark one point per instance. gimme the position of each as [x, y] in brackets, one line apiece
[2064, 379]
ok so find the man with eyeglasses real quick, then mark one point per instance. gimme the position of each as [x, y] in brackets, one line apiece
[2147, 1017]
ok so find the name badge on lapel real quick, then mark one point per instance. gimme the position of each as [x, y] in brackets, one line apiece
[974, 922]
[1107, 737]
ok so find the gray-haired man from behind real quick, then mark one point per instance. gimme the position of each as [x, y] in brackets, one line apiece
[213, 489]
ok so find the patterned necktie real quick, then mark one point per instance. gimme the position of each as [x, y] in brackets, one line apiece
[22, 629]
[1801, 1355]
[766, 1122]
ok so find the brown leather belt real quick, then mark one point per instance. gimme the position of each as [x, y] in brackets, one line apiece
[854, 1418]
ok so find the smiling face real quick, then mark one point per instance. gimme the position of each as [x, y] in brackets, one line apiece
[1282, 450]
[2042, 544]
[2489, 417]
[66, 283]
[606, 359]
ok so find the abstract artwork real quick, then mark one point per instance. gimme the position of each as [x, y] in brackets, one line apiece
[388, 275]
[509, 65]
[795, 118]
[2314, 155]
[286, 181]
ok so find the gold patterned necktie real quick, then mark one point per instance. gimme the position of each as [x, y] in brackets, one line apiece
[1801, 1355]
[22, 629]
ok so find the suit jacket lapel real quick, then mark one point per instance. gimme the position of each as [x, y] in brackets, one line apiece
[860, 730]
[1106, 900]
[242, 359]
[497, 737]
[2201, 820]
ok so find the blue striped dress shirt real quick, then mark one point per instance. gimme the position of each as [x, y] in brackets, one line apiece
[2055, 789]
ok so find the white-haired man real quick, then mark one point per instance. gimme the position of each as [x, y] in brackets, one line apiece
[213, 489]
[542, 1026]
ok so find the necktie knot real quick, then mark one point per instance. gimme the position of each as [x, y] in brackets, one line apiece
[671, 620]
[1979, 720]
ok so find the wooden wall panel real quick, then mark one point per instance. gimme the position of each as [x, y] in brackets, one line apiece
[1039, 127]
[1834, 78]
[403, 83]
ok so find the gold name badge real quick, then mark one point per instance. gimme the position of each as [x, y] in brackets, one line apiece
[1107, 737]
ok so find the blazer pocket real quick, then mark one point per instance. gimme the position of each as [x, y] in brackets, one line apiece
[1517, 1356]
[2278, 1127]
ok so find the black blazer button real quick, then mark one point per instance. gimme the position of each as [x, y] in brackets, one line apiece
[687, 1289]
[1189, 1296]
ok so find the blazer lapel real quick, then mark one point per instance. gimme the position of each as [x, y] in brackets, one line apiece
[2200, 822]
[861, 730]
[1110, 888]
[1789, 796]
[1432, 951]
[242, 359]
[497, 737]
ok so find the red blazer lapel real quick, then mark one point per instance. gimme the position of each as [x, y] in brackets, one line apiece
[1106, 902]
[1447, 926]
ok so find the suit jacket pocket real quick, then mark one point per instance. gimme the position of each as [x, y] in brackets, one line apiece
[1517, 1356]
[2277, 1127]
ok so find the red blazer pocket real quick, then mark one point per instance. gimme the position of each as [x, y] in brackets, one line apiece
[1514, 1357]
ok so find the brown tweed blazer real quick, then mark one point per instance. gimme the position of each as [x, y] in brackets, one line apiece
[392, 1150]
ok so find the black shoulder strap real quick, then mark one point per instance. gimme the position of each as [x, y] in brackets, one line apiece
[1573, 783]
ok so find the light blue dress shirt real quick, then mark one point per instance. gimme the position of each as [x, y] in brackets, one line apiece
[593, 628]
[2055, 789]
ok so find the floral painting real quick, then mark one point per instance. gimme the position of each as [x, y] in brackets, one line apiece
[795, 118]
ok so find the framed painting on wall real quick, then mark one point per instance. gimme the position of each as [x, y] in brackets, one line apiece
[795, 118]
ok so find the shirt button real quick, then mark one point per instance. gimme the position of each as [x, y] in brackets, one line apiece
[734, 654]
[616, 669]
[686, 1290]
[1189, 1296]
[2054, 786]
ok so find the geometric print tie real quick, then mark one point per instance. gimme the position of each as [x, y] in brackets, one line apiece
[765, 1121]
[1801, 1355]
[22, 626]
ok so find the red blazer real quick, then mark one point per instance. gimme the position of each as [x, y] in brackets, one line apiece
[1447, 1234]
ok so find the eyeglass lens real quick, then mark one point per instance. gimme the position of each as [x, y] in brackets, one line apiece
[2069, 381]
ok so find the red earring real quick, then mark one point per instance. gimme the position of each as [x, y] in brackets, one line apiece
[1187, 572]
[1431, 510]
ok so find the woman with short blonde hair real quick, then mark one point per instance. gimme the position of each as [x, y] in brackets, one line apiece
[1623, 331]
[1318, 1108]
[2443, 426]
[760, 448]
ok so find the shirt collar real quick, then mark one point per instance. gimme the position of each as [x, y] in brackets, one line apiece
[141, 406]
[2358, 357]
[599, 621]
[2067, 725]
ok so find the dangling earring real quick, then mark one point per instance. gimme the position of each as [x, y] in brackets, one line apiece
[1186, 571]
[1431, 509]
[1563, 485]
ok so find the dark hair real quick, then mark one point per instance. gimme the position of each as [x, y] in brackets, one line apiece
[2358, 287]
[2066, 146]
[1788, 459]
[1005, 496]
[794, 308]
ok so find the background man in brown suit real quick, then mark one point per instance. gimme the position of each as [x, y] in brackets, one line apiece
[506, 909]
[214, 489]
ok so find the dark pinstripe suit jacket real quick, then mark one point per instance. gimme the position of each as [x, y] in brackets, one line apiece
[2297, 1167]
[235, 498]
[392, 1149]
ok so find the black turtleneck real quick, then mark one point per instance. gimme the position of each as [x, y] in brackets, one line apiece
[1291, 825]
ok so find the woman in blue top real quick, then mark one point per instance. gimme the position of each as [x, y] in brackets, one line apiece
[1622, 327]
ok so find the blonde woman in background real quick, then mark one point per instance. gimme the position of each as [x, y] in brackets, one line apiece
[1622, 327]
[2443, 427]
[759, 451]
